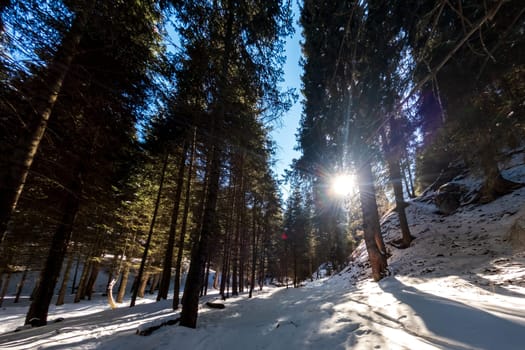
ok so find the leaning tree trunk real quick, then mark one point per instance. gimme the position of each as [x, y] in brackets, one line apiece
[49, 276]
[150, 233]
[182, 235]
[15, 177]
[168, 256]
[372, 230]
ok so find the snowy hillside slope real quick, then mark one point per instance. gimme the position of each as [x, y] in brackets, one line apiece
[461, 285]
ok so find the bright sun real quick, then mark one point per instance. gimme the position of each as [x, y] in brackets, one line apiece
[343, 185]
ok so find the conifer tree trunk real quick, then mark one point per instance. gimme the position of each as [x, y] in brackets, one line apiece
[49, 276]
[123, 284]
[237, 261]
[90, 285]
[227, 238]
[395, 180]
[190, 305]
[150, 233]
[216, 279]
[182, 235]
[65, 280]
[155, 278]
[86, 270]
[14, 178]
[21, 285]
[190, 302]
[390, 148]
[168, 256]
[73, 285]
[5, 286]
[206, 276]
[254, 251]
[372, 230]
[142, 283]
[409, 182]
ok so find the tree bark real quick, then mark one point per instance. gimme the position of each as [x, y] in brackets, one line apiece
[372, 230]
[80, 294]
[150, 233]
[15, 176]
[409, 180]
[49, 276]
[155, 278]
[190, 301]
[168, 256]
[254, 250]
[142, 283]
[123, 284]
[396, 181]
[21, 285]
[90, 285]
[5, 286]
[65, 280]
[182, 235]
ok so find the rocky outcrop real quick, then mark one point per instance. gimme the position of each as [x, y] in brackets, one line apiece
[448, 197]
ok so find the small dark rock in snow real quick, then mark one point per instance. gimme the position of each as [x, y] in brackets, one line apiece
[215, 305]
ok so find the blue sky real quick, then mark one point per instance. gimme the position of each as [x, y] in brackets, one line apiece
[285, 135]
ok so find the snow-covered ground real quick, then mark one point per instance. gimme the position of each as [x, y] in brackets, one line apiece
[461, 285]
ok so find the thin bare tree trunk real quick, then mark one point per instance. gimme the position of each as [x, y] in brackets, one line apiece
[395, 180]
[150, 233]
[182, 235]
[254, 250]
[168, 256]
[21, 285]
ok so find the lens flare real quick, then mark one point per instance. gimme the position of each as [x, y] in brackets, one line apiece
[343, 185]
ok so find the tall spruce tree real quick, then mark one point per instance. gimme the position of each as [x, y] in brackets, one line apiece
[105, 86]
[244, 48]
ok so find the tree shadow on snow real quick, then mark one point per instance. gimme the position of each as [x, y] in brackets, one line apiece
[472, 327]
